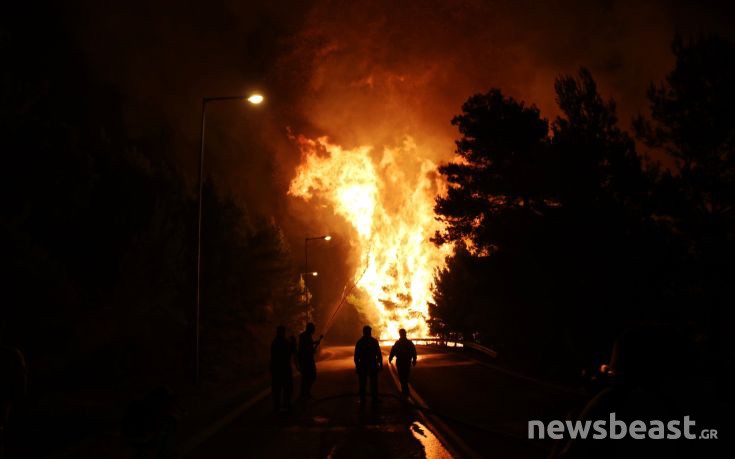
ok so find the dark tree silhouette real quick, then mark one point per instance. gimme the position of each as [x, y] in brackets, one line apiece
[99, 227]
[455, 312]
[692, 119]
[503, 146]
[562, 251]
[596, 163]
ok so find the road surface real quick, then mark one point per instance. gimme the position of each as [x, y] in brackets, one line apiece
[332, 425]
[486, 406]
[475, 409]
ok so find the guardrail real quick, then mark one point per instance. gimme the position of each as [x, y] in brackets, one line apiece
[448, 343]
[427, 342]
[485, 350]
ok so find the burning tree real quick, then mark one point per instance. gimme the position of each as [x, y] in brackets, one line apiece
[387, 201]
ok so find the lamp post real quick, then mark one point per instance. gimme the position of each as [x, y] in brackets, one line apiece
[306, 267]
[254, 99]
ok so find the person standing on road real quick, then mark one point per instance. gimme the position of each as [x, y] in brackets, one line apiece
[307, 364]
[368, 362]
[282, 351]
[404, 352]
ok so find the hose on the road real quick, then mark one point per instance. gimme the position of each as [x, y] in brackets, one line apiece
[427, 410]
[345, 293]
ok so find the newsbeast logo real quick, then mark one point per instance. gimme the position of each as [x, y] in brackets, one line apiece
[616, 429]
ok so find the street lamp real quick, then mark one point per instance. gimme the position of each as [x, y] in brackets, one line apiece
[306, 266]
[255, 99]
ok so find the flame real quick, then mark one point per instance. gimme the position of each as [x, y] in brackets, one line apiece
[389, 204]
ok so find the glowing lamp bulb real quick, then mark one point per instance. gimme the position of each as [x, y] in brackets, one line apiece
[327, 238]
[255, 99]
[315, 274]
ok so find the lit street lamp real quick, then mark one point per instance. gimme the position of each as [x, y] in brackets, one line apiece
[254, 99]
[306, 267]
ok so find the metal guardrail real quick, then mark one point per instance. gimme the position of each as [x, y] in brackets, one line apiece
[448, 343]
[485, 350]
[426, 342]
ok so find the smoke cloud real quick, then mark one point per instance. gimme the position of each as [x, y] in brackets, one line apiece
[361, 73]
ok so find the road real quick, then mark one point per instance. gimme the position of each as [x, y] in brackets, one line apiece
[486, 406]
[475, 409]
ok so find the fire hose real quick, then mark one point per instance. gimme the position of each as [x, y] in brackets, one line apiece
[425, 409]
[345, 293]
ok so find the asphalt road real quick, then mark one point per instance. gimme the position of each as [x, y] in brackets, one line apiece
[332, 425]
[486, 406]
[473, 407]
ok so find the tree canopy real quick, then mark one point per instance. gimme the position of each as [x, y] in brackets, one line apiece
[562, 224]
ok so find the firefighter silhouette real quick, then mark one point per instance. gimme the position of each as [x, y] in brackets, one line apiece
[404, 352]
[282, 352]
[368, 362]
[307, 364]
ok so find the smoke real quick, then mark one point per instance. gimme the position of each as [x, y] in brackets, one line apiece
[376, 74]
[362, 73]
[373, 73]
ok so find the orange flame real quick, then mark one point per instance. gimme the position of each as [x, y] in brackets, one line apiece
[389, 204]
